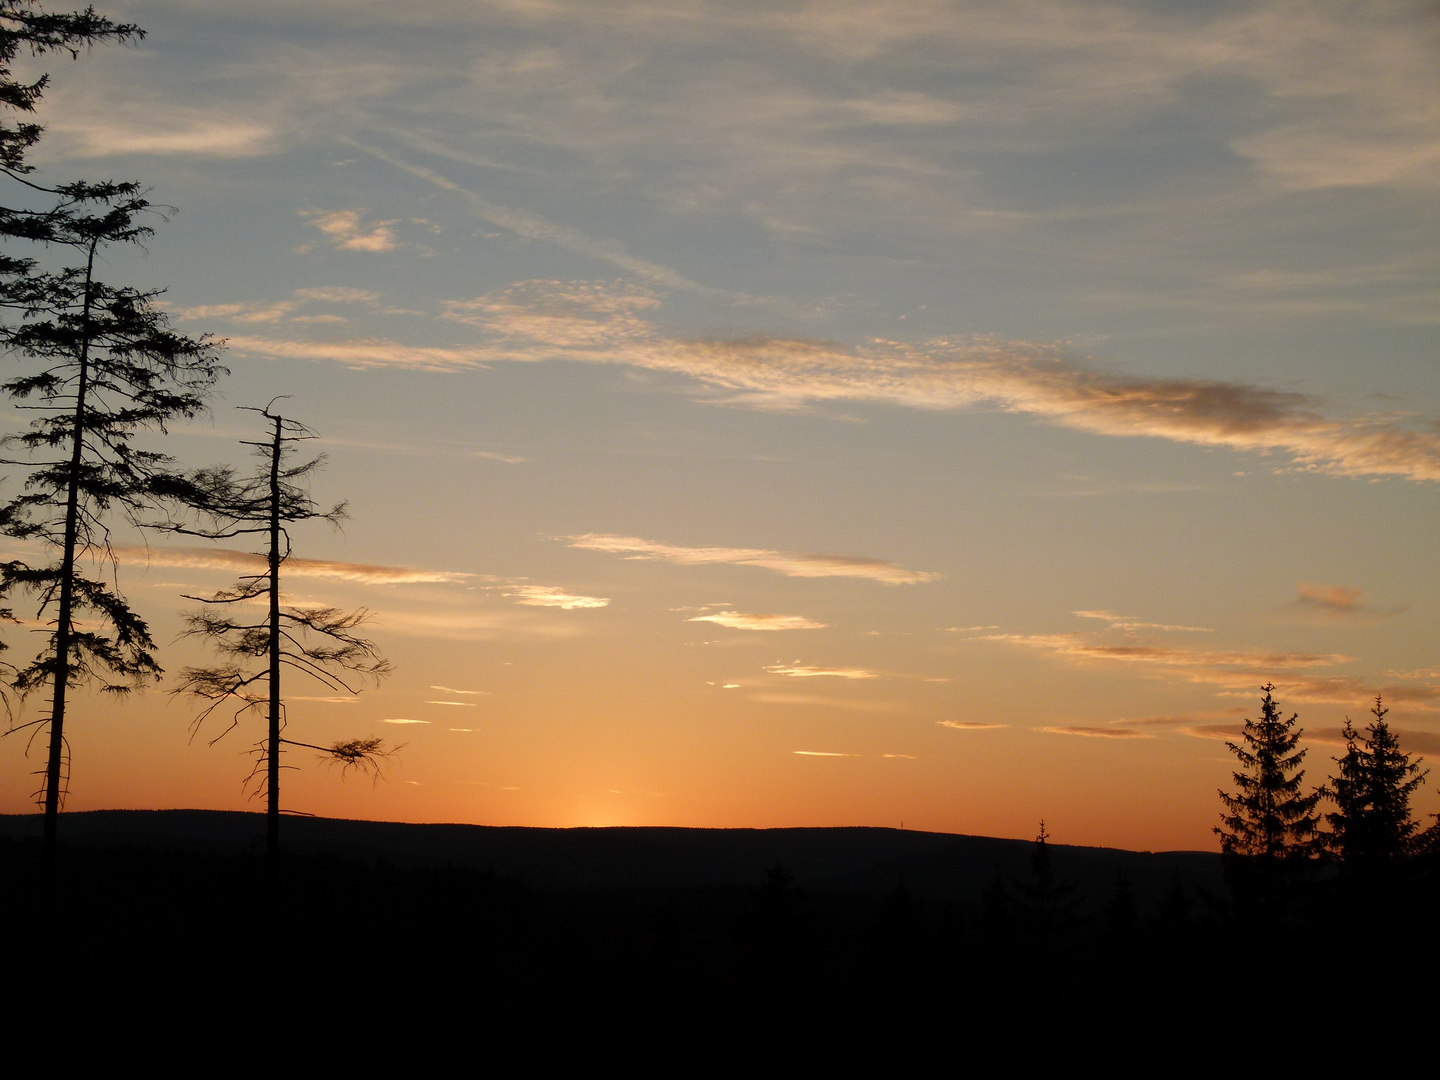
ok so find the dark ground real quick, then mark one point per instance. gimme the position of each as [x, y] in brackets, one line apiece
[773, 929]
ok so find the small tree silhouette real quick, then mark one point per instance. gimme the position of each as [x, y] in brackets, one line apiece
[1268, 829]
[1048, 906]
[1371, 827]
[322, 643]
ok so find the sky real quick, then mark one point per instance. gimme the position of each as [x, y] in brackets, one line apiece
[945, 415]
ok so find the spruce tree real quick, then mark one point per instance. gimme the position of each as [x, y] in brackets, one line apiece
[101, 368]
[1371, 826]
[29, 210]
[1269, 827]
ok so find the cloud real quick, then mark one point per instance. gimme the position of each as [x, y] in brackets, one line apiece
[472, 624]
[456, 704]
[736, 620]
[365, 353]
[337, 294]
[791, 564]
[1418, 742]
[1078, 647]
[801, 671]
[970, 725]
[584, 322]
[821, 753]
[1125, 622]
[550, 596]
[534, 227]
[401, 720]
[246, 562]
[345, 231]
[187, 131]
[241, 313]
[467, 693]
[1238, 673]
[1096, 732]
[1336, 604]
[282, 310]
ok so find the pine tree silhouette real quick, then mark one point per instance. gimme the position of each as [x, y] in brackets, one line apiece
[1269, 828]
[1372, 827]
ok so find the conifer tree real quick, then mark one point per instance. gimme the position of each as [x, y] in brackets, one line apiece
[30, 211]
[104, 367]
[1047, 905]
[26, 25]
[321, 643]
[1371, 825]
[1269, 827]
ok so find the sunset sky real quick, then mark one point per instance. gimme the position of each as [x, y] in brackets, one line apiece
[798, 413]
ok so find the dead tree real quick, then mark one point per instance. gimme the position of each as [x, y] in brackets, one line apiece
[320, 642]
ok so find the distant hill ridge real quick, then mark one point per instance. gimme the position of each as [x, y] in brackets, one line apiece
[842, 859]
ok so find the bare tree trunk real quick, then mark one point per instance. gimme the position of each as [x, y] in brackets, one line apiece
[63, 629]
[272, 814]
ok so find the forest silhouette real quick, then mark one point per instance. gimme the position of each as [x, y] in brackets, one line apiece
[937, 921]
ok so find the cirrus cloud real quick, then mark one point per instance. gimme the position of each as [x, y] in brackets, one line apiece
[789, 563]
[737, 620]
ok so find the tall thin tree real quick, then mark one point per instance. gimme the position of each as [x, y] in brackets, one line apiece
[105, 368]
[322, 643]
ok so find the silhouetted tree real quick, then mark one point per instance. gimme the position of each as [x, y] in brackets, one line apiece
[32, 211]
[104, 367]
[26, 25]
[321, 643]
[1268, 829]
[1371, 826]
[1047, 905]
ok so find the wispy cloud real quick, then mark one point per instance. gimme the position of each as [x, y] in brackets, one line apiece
[558, 320]
[791, 564]
[455, 704]
[551, 596]
[401, 720]
[249, 563]
[365, 353]
[1260, 660]
[804, 671]
[1336, 604]
[585, 322]
[534, 227]
[737, 620]
[274, 311]
[179, 132]
[1238, 673]
[971, 725]
[1096, 732]
[821, 753]
[337, 294]
[1126, 622]
[463, 693]
[345, 230]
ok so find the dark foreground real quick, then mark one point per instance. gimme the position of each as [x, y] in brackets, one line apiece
[783, 928]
